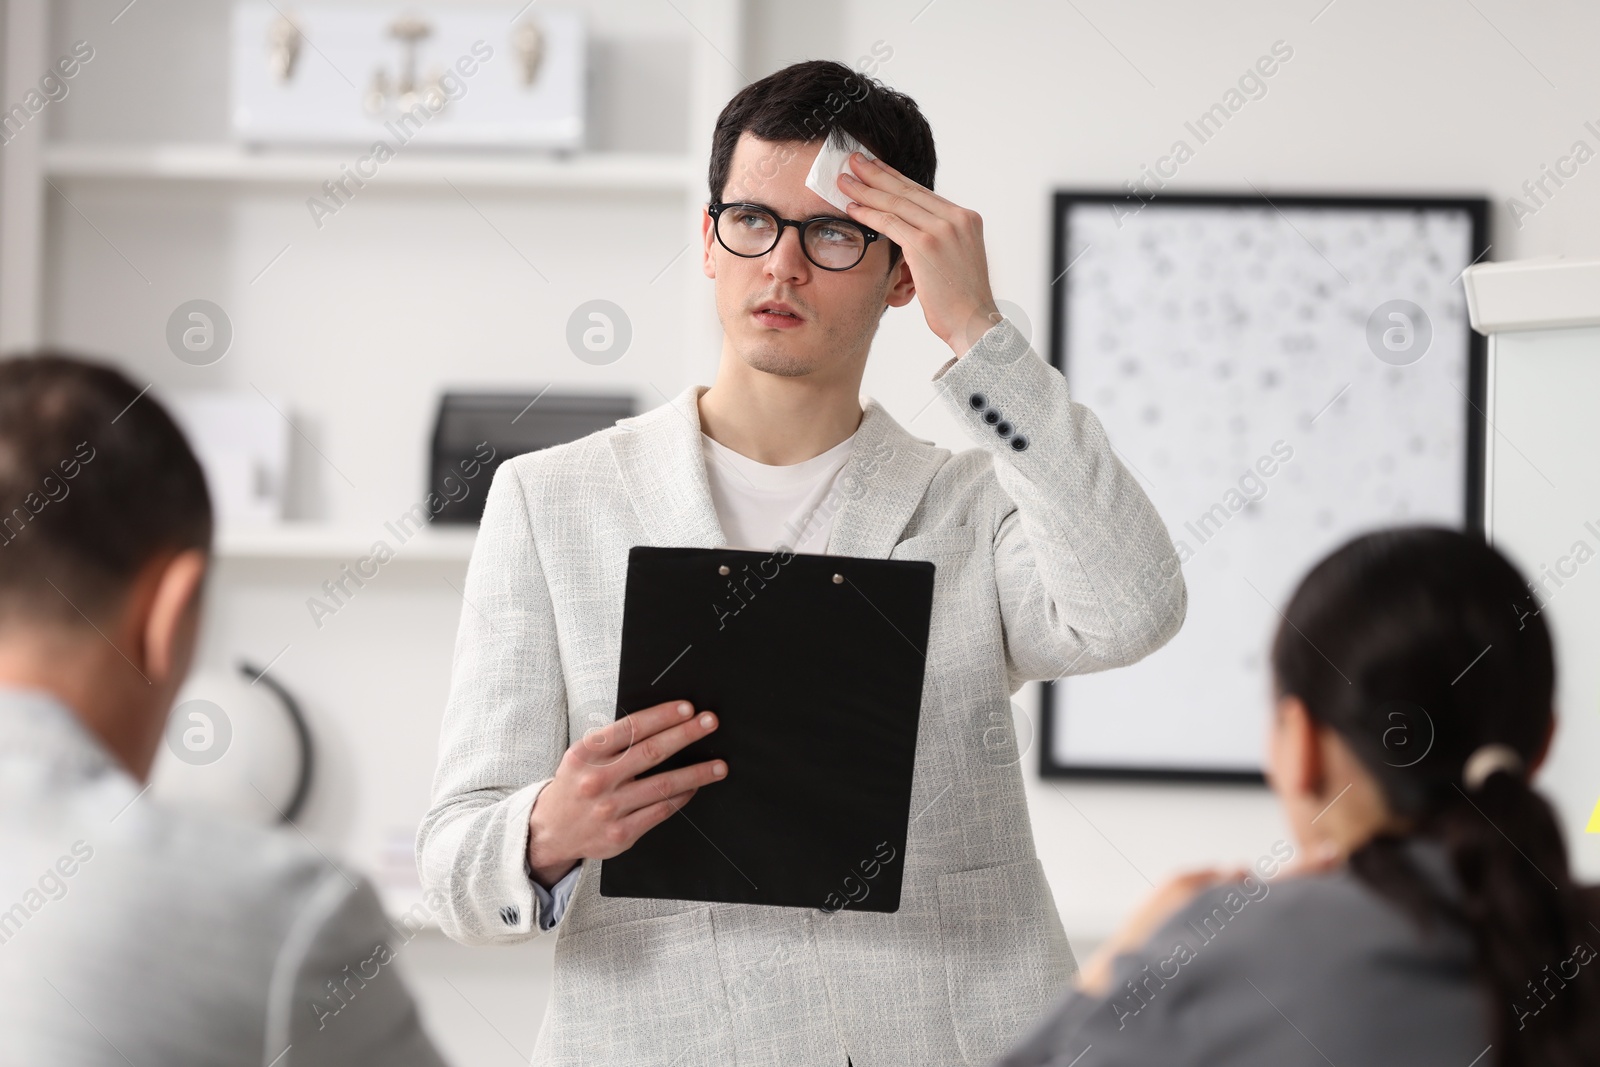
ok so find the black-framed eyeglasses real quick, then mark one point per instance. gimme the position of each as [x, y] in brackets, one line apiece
[750, 230]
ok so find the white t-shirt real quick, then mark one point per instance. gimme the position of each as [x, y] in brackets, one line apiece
[761, 506]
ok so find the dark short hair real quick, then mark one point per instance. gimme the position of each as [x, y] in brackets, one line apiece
[819, 99]
[96, 480]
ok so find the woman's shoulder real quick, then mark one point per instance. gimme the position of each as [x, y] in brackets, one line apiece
[1287, 972]
[1336, 912]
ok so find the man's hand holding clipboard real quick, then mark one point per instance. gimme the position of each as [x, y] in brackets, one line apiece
[601, 800]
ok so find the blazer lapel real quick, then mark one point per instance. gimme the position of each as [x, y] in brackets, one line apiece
[663, 471]
[881, 485]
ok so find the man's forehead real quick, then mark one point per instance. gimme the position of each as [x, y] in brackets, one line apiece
[774, 173]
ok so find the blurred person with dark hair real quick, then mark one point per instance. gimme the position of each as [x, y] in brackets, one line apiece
[131, 933]
[1432, 917]
[1051, 560]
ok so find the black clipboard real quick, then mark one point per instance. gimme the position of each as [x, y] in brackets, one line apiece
[814, 665]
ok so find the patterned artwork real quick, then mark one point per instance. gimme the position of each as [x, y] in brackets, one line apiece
[1279, 377]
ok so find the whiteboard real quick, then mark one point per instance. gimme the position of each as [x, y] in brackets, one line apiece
[1246, 360]
[1544, 514]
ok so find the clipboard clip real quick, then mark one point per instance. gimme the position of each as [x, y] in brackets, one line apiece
[724, 570]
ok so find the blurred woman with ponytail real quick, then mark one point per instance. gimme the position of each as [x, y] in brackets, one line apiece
[1428, 916]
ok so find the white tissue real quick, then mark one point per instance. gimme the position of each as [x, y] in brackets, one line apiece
[831, 162]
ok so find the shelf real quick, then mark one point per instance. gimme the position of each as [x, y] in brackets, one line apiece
[232, 163]
[325, 541]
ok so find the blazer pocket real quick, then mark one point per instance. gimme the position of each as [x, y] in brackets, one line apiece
[1006, 957]
[952, 540]
[651, 987]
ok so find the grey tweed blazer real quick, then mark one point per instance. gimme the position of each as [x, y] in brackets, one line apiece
[1050, 560]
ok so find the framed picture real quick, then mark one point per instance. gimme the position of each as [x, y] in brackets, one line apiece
[1280, 374]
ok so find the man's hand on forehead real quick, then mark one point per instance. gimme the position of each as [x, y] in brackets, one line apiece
[942, 243]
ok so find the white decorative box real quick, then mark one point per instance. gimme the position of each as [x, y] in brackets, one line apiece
[431, 75]
[243, 447]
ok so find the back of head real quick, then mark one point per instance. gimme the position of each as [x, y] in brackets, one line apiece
[96, 481]
[1411, 645]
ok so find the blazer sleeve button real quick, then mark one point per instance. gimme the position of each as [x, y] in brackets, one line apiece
[991, 416]
[1003, 428]
[1018, 443]
[978, 401]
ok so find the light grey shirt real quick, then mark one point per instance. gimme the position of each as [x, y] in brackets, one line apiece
[553, 901]
[132, 933]
[1305, 971]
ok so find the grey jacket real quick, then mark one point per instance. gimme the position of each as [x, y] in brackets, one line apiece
[134, 934]
[1050, 559]
[1303, 972]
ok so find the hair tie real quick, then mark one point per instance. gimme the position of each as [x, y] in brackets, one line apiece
[1488, 759]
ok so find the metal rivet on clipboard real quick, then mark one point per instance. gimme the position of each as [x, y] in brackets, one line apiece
[838, 579]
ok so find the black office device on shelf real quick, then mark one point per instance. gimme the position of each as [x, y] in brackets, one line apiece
[510, 424]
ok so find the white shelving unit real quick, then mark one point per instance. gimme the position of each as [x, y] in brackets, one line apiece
[126, 199]
[315, 542]
[231, 163]
[34, 162]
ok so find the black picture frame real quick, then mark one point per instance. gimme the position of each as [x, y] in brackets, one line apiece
[1063, 202]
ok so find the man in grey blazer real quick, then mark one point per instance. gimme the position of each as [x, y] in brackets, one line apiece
[1050, 560]
[130, 933]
